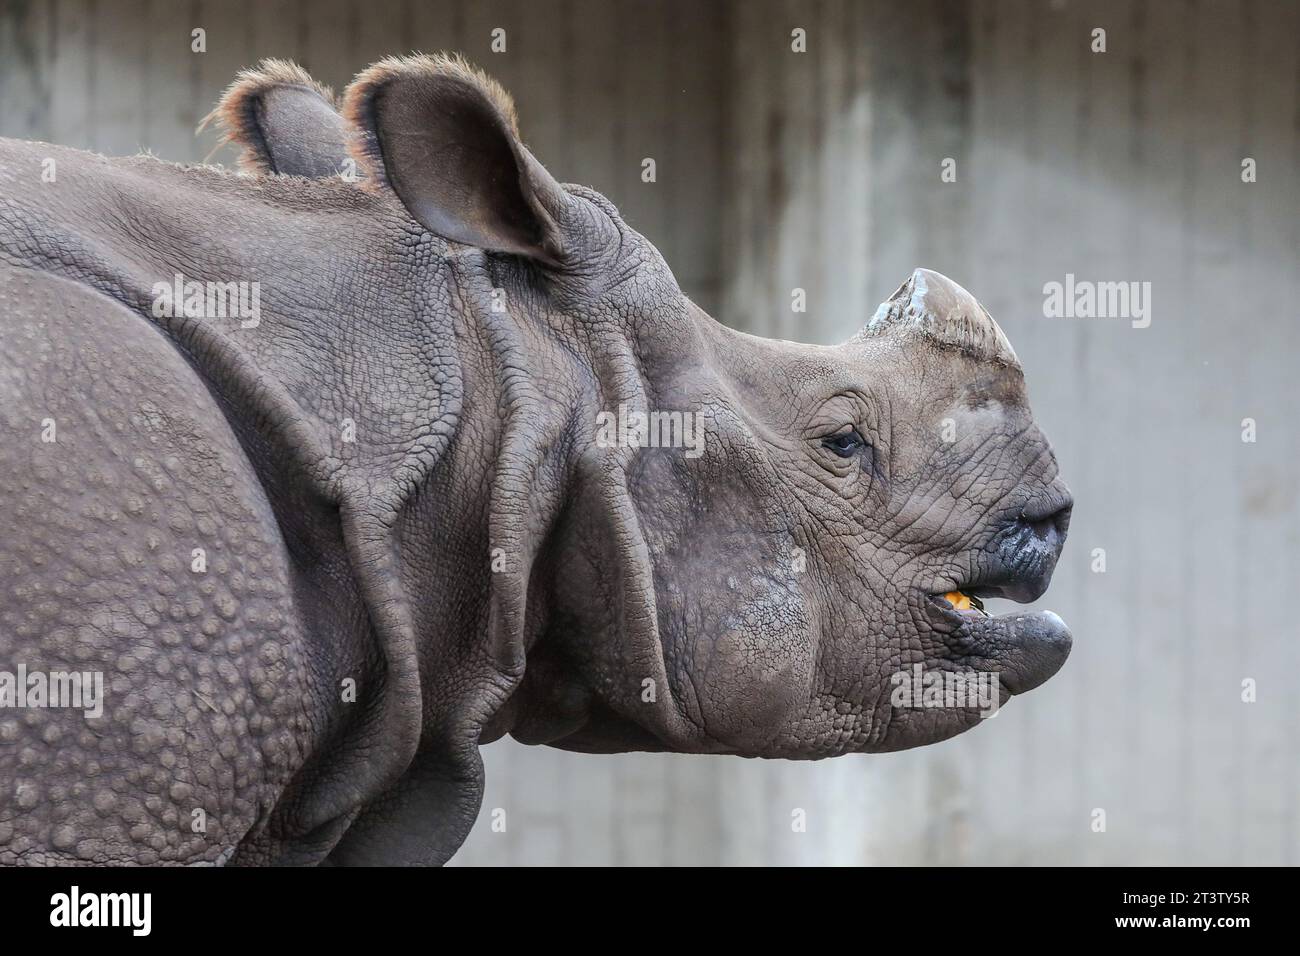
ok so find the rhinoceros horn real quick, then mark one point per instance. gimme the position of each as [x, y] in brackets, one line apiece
[934, 307]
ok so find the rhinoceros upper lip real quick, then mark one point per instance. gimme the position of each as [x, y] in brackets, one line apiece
[1018, 571]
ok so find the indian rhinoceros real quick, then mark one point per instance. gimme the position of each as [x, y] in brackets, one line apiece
[331, 482]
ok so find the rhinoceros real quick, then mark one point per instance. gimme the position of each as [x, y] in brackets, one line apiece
[313, 484]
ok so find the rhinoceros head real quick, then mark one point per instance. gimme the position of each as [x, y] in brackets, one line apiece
[775, 584]
[710, 542]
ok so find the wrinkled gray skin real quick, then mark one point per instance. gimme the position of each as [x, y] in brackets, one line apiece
[474, 561]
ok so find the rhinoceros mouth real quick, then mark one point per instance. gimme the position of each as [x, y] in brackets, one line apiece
[960, 601]
[953, 611]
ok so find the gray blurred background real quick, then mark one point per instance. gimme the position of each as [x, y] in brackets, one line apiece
[821, 170]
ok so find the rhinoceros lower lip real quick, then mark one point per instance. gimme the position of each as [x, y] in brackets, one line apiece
[1025, 648]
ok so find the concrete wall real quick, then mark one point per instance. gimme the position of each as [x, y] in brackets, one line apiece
[821, 171]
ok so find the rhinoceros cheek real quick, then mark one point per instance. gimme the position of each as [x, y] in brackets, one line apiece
[753, 687]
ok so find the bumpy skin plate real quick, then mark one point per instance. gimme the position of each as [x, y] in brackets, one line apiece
[206, 679]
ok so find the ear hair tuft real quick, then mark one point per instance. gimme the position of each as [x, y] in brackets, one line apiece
[234, 116]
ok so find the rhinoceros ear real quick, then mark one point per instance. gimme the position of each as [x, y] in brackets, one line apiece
[443, 136]
[283, 121]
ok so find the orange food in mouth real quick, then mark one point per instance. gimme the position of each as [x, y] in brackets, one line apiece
[958, 600]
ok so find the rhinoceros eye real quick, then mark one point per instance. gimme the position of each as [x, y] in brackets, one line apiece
[846, 444]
